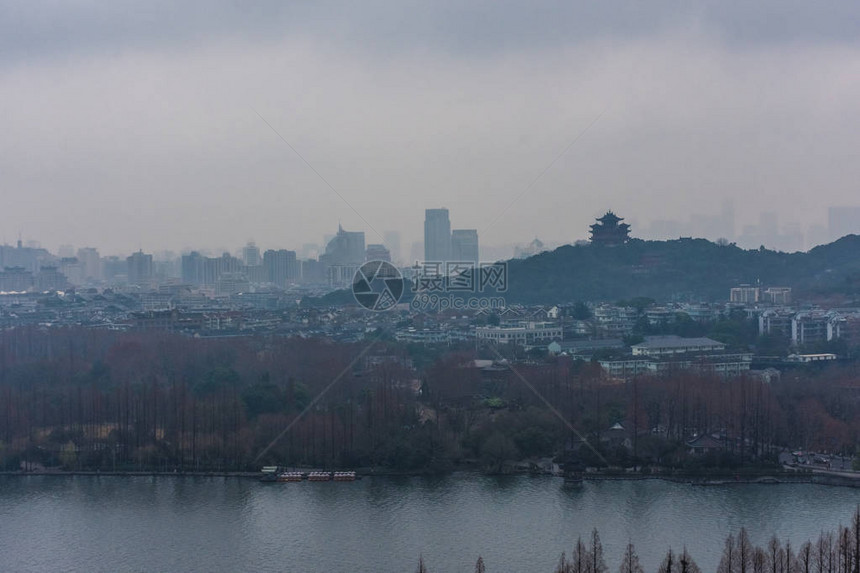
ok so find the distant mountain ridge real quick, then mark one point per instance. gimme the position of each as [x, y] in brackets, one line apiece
[666, 270]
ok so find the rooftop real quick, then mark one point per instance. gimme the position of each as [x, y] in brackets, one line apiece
[674, 341]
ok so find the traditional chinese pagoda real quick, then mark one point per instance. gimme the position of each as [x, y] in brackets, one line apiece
[610, 231]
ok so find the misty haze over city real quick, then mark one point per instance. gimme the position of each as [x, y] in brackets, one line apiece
[379, 287]
[140, 126]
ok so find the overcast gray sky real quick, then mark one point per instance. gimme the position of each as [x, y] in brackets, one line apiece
[129, 125]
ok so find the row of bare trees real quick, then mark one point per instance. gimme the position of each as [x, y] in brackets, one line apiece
[755, 418]
[832, 552]
[93, 399]
[88, 399]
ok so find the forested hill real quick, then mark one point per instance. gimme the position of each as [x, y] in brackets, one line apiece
[665, 269]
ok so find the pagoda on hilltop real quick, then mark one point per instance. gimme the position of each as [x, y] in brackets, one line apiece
[610, 231]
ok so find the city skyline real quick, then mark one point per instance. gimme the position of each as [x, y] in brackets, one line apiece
[767, 230]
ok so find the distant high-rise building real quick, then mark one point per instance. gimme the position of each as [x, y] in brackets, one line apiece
[347, 247]
[90, 263]
[464, 245]
[416, 252]
[113, 267]
[312, 271]
[343, 255]
[843, 221]
[281, 267]
[73, 270]
[15, 279]
[392, 242]
[309, 251]
[251, 255]
[192, 268]
[377, 252]
[437, 235]
[214, 267]
[140, 269]
[30, 258]
[50, 278]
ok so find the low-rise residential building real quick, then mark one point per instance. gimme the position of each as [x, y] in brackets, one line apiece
[583, 347]
[669, 345]
[524, 333]
[723, 365]
[626, 368]
[809, 358]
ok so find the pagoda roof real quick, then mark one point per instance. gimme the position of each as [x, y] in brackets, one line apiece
[610, 217]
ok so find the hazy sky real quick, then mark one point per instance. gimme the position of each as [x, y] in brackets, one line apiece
[127, 125]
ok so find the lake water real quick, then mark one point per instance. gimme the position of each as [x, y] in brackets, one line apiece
[518, 524]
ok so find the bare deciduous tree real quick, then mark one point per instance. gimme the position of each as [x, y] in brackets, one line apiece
[630, 562]
[598, 565]
[687, 564]
[728, 561]
[668, 565]
[580, 561]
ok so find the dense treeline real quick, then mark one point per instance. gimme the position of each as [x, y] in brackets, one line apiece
[88, 399]
[92, 399]
[833, 552]
[815, 410]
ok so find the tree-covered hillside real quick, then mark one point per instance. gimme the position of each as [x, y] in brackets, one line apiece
[680, 268]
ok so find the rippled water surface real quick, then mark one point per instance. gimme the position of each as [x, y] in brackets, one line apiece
[518, 524]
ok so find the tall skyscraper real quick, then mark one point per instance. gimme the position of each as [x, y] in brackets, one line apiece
[281, 267]
[392, 242]
[376, 252]
[192, 268]
[90, 263]
[140, 269]
[464, 245]
[251, 255]
[437, 235]
[343, 255]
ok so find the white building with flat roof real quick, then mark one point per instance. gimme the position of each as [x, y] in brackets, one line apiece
[668, 345]
[526, 333]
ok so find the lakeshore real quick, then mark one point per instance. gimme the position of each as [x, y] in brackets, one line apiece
[382, 524]
[720, 478]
